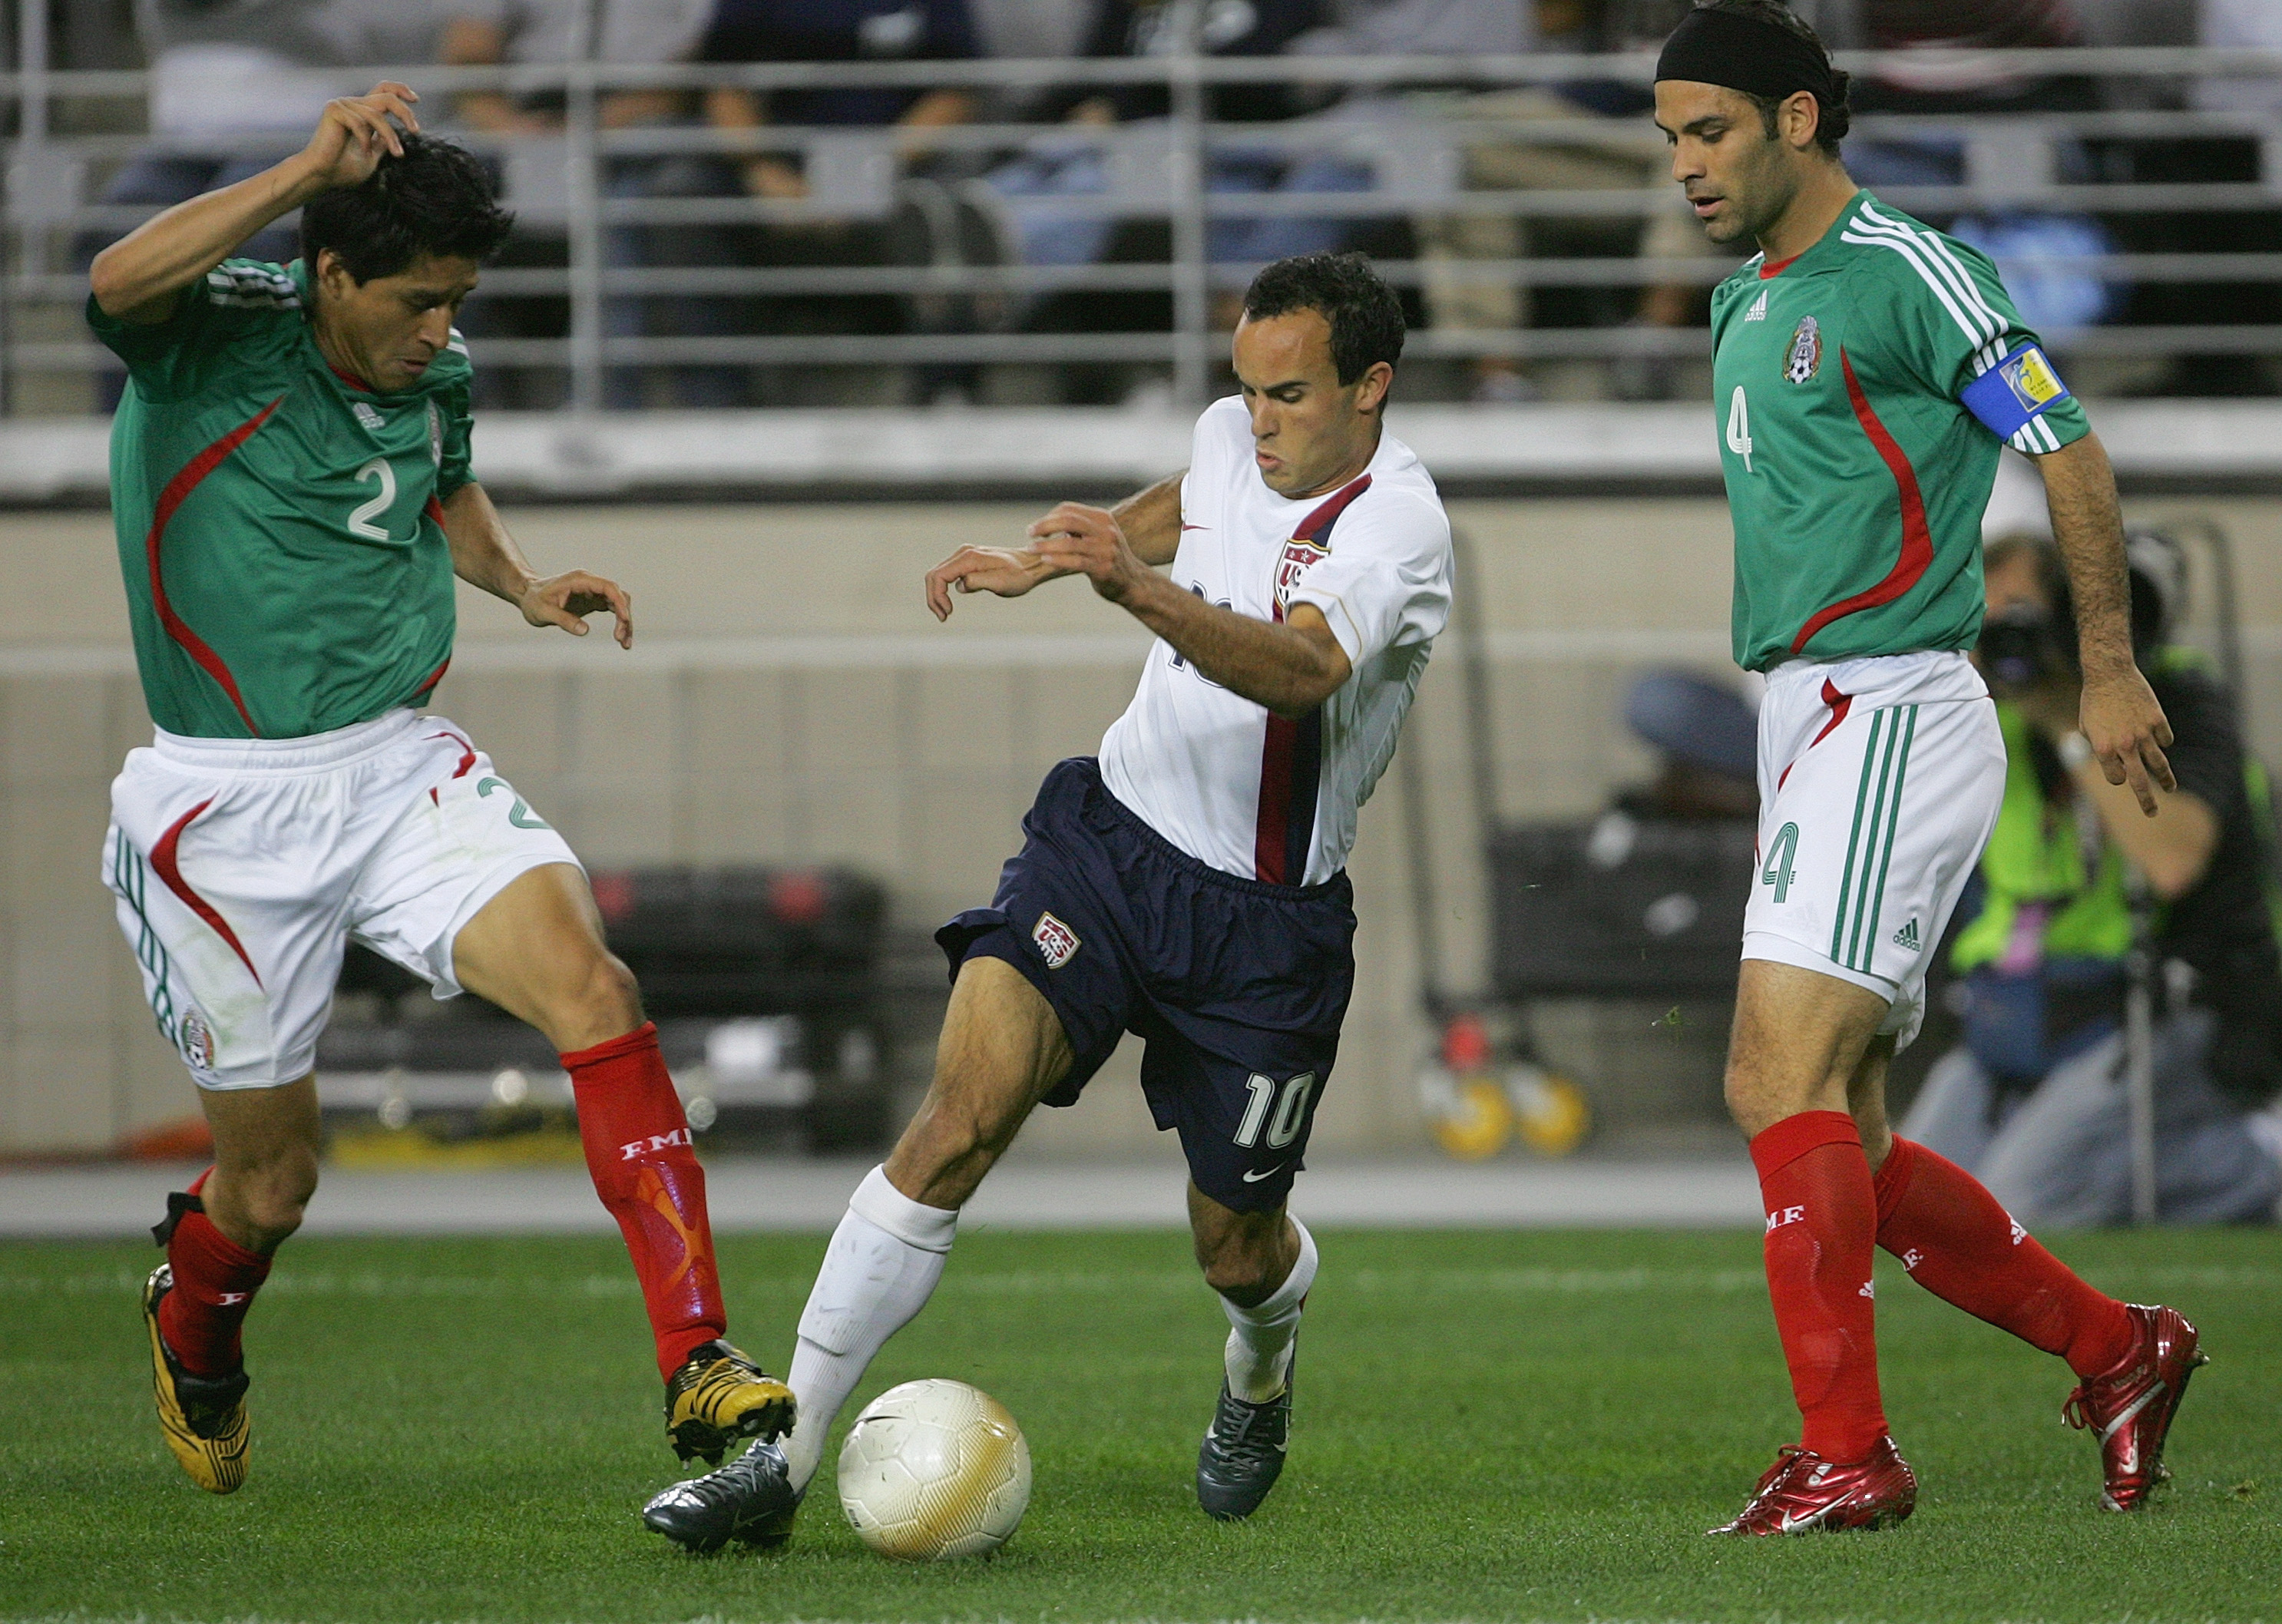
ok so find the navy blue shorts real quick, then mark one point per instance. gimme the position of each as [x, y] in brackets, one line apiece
[1238, 987]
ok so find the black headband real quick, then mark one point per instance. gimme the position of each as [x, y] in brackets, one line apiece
[1743, 53]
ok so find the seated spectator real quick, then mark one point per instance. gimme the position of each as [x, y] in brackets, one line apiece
[2034, 1102]
[2257, 24]
[484, 32]
[627, 33]
[235, 87]
[799, 31]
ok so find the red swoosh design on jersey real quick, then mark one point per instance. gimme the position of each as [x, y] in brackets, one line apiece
[166, 864]
[178, 492]
[1291, 756]
[1917, 539]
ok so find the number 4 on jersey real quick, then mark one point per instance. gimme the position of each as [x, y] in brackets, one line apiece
[1739, 427]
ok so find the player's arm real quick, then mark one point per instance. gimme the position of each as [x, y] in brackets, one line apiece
[136, 279]
[484, 555]
[1290, 668]
[1149, 518]
[2121, 717]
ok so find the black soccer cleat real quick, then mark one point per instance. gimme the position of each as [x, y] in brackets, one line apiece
[751, 1499]
[1243, 1453]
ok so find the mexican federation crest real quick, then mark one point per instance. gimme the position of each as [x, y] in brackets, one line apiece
[1805, 359]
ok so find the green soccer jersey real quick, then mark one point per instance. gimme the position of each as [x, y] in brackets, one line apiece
[1856, 474]
[279, 523]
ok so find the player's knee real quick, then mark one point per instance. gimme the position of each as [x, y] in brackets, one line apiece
[599, 1001]
[273, 1197]
[1240, 1264]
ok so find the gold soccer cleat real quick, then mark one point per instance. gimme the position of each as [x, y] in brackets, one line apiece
[203, 1416]
[720, 1396]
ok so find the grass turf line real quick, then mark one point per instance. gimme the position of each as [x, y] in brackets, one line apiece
[1523, 1426]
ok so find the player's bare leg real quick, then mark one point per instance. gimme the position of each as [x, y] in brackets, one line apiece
[1263, 1265]
[536, 951]
[1001, 1050]
[218, 1237]
[1800, 1054]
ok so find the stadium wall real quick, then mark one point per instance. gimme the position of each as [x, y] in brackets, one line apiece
[790, 700]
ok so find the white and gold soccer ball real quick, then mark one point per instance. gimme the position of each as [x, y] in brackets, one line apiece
[934, 1470]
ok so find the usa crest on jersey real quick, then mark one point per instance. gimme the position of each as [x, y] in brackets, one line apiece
[1298, 553]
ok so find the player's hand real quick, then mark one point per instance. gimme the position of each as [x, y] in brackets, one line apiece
[1076, 539]
[567, 599]
[1006, 570]
[2124, 724]
[356, 132]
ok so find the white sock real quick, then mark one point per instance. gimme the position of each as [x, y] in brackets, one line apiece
[882, 1266]
[1258, 1354]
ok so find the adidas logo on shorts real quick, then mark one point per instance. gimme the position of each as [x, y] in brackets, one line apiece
[1907, 936]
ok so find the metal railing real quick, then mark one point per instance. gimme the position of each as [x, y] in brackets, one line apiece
[1400, 156]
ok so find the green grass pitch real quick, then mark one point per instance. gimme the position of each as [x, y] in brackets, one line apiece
[1529, 1426]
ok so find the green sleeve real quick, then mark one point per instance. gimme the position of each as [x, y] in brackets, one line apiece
[454, 465]
[238, 302]
[1950, 320]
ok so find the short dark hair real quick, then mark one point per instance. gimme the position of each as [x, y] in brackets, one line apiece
[1364, 313]
[1834, 117]
[436, 200]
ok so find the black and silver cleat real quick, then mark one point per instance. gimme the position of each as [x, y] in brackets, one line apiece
[751, 1499]
[1243, 1453]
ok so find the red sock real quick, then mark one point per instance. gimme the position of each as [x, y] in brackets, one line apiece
[1959, 1244]
[1820, 1217]
[214, 1282]
[637, 1151]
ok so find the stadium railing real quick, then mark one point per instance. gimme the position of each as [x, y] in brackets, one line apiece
[1415, 163]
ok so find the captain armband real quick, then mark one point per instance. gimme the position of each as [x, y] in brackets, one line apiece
[2015, 392]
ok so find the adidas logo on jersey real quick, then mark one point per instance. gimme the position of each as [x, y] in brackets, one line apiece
[1907, 936]
[1759, 310]
[369, 415]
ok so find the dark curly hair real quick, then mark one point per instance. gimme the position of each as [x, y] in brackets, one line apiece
[436, 200]
[1364, 313]
[1835, 117]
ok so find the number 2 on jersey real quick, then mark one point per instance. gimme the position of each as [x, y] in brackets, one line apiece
[361, 522]
[1739, 428]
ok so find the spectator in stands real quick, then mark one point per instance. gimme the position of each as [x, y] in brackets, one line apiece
[2257, 24]
[799, 31]
[236, 84]
[2034, 1101]
[1944, 26]
[484, 33]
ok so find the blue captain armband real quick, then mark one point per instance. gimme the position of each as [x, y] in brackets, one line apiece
[2015, 392]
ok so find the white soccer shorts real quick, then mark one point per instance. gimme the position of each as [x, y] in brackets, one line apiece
[243, 868]
[1879, 783]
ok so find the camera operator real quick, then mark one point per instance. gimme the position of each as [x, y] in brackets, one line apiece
[2034, 1100]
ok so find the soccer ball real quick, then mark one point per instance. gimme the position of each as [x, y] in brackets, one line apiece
[933, 1470]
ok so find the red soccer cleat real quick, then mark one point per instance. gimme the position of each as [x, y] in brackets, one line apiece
[2130, 1407]
[1802, 1493]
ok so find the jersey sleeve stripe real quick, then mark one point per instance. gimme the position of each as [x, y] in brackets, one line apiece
[1916, 553]
[1944, 259]
[1291, 755]
[176, 493]
[1979, 333]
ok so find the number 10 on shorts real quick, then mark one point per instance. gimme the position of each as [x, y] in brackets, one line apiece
[1288, 1105]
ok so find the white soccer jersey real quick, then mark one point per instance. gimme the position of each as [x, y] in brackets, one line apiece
[1211, 771]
